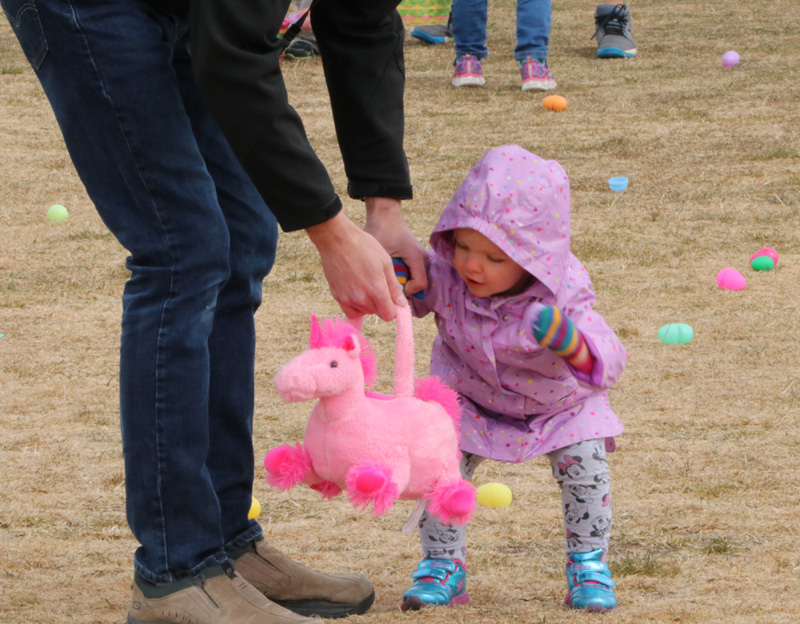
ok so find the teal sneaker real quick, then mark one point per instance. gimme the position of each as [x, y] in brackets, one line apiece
[437, 582]
[589, 582]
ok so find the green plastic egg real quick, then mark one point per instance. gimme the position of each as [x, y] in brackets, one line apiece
[675, 333]
[762, 263]
[57, 212]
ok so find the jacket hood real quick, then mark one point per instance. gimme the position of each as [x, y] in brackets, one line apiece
[521, 203]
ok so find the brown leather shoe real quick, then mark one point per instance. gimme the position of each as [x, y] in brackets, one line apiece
[218, 596]
[299, 588]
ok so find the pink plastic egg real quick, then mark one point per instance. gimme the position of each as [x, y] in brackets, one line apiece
[730, 279]
[766, 251]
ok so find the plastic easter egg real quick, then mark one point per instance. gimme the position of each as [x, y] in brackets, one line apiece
[494, 495]
[618, 184]
[57, 212]
[675, 333]
[730, 59]
[555, 102]
[730, 279]
[766, 251]
[762, 263]
[255, 509]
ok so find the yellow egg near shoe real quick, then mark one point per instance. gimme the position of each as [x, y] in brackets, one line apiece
[494, 495]
[255, 510]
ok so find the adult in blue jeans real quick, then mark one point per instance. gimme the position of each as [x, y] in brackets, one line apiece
[186, 192]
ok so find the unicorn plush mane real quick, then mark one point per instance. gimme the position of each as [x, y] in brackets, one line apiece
[331, 332]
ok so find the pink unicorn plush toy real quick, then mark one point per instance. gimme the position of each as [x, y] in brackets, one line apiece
[377, 448]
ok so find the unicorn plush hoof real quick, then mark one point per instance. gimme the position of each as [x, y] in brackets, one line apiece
[372, 483]
[287, 466]
[453, 502]
[328, 489]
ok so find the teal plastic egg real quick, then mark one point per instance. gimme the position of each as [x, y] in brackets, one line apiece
[675, 333]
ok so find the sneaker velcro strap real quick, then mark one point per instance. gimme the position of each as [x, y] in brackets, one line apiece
[594, 577]
[594, 566]
[439, 574]
[437, 569]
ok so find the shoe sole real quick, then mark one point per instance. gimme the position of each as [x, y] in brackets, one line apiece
[325, 609]
[423, 36]
[415, 603]
[543, 85]
[592, 607]
[615, 53]
[469, 81]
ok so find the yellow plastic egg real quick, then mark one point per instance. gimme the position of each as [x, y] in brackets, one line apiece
[255, 509]
[494, 495]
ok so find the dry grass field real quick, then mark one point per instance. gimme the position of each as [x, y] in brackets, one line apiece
[705, 481]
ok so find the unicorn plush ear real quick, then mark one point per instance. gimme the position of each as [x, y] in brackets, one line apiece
[316, 332]
[352, 346]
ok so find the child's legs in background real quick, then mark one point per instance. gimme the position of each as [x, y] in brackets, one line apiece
[533, 29]
[582, 474]
[469, 27]
[440, 540]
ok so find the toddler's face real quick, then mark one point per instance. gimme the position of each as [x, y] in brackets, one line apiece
[485, 267]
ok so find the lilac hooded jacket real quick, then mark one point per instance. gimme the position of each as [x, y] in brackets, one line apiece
[520, 400]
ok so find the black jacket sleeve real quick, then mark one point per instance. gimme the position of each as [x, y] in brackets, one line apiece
[236, 52]
[361, 42]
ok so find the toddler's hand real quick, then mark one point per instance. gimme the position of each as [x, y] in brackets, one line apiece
[554, 330]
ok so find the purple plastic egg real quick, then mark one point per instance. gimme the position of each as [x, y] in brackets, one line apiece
[730, 59]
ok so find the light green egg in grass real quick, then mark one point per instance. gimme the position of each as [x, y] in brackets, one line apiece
[675, 333]
[57, 212]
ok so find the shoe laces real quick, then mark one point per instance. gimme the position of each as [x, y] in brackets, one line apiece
[612, 24]
[534, 69]
[468, 65]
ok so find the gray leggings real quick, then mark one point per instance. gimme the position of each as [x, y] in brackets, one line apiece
[582, 474]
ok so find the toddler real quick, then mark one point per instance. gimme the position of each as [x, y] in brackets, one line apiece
[531, 360]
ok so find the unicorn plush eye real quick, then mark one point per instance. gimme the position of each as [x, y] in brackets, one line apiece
[334, 364]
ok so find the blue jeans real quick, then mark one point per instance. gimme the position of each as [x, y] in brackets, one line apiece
[533, 28]
[201, 240]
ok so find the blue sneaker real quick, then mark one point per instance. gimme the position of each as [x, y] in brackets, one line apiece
[437, 582]
[434, 33]
[589, 582]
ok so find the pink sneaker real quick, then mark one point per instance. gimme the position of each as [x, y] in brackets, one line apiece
[469, 72]
[536, 75]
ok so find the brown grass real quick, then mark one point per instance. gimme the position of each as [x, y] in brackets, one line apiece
[705, 482]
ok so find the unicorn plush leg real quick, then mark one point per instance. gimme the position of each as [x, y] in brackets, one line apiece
[328, 489]
[372, 483]
[452, 500]
[287, 466]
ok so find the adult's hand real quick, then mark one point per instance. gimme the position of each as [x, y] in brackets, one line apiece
[385, 222]
[358, 269]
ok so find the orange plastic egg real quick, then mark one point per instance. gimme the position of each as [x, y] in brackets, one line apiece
[555, 102]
